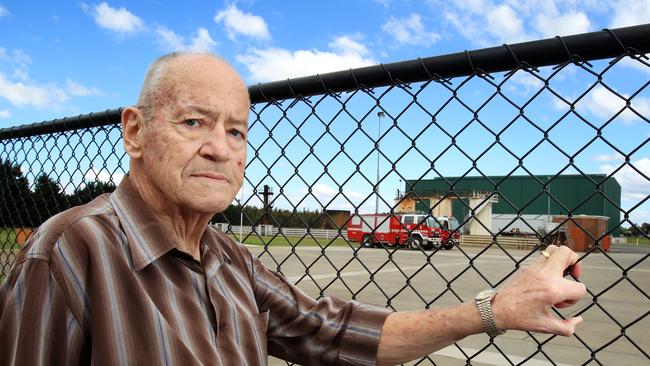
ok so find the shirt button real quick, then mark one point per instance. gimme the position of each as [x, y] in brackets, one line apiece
[222, 326]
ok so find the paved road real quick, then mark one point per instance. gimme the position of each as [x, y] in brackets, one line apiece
[625, 248]
[410, 280]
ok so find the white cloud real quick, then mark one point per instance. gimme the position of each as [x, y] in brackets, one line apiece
[200, 42]
[323, 193]
[3, 11]
[503, 22]
[348, 45]
[636, 64]
[466, 27]
[240, 23]
[608, 158]
[169, 40]
[92, 175]
[31, 94]
[630, 12]
[21, 91]
[272, 64]
[486, 22]
[5, 113]
[17, 60]
[639, 216]
[634, 187]
[526, 81]
[77, 89]
[118, 20]
[322, 190]
[17, 56]
[604, 104]
[562, 25]
[103, 175]
[410, 31]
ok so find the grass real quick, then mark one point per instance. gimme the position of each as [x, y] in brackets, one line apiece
[8, 239]
[281, 241]
[640, 240]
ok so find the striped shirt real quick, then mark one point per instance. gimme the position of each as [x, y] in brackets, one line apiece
[104, 284]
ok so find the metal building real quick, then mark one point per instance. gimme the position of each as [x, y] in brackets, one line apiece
[534, 198]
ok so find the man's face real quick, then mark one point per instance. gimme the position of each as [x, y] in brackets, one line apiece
[195, 145]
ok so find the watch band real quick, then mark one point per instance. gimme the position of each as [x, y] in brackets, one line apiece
[484, 305]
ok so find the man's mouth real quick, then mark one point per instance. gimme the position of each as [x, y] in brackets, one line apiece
[210, 175]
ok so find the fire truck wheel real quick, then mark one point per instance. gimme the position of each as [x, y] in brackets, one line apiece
[366, 241]
[415, 242]
[448, 245]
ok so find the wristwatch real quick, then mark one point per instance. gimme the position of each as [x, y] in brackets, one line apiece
[484, 303]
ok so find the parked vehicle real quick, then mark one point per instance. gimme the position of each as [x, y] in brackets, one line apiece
[414, 230]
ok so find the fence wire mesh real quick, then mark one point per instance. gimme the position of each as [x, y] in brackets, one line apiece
[317, 162]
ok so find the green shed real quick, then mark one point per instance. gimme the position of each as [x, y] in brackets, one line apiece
[591, 194]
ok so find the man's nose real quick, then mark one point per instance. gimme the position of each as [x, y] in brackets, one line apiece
[214, 145]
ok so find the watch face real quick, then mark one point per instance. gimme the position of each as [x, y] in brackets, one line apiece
[486, 294]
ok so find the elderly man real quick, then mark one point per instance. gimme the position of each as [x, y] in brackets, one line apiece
[139, 277]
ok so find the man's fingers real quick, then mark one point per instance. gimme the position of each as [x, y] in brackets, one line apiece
[576, 270]
[571, 290]
[565, 327]
[560, 259]
[565, 304]
[571, 324]
[548, 251]
[568, 293]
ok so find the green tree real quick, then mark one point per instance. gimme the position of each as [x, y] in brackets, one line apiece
[90, 191]
[229, 215]
[635, 230]
[15, 195]
[277, 217]
[48, 198]
[645, 228]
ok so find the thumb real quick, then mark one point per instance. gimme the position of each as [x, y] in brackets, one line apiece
[567, 327]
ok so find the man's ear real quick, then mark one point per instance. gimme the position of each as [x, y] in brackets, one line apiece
[132, 131]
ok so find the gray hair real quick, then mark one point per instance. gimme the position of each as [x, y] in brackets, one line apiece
[154, 76]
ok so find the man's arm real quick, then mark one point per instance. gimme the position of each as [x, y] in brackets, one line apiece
[36, 325]
[524, 302]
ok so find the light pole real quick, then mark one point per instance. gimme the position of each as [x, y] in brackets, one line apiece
[399, 187]
[241, 212]
[379, 115]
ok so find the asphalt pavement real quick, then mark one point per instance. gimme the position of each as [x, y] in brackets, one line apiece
[615, 325]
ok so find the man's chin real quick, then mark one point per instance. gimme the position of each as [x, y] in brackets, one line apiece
[208, 205]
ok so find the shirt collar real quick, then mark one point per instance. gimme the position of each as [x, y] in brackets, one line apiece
[147, 236]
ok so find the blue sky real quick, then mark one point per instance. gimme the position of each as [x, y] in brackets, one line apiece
[64, 58]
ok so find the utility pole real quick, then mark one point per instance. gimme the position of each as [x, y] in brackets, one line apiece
[266, 194]
[379, 116]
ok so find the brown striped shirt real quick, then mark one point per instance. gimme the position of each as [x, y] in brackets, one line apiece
[104, 284]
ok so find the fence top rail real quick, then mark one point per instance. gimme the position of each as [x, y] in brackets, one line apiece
[545, 52]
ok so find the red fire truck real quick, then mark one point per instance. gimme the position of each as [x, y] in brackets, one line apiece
[414, 230]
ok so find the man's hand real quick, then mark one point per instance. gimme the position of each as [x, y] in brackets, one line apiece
[525, 301]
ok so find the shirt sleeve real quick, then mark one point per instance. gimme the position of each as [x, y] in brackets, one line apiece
[36, 325]
[328, 331]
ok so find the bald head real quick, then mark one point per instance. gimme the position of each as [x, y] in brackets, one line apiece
[173, 68]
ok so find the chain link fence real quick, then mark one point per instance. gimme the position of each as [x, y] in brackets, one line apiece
[328, 148]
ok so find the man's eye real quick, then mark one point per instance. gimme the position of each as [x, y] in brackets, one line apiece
[236, 133]
[192, 122]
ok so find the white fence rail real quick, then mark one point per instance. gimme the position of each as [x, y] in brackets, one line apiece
[269, 230]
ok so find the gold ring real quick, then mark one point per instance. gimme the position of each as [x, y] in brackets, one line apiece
[546, 254]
